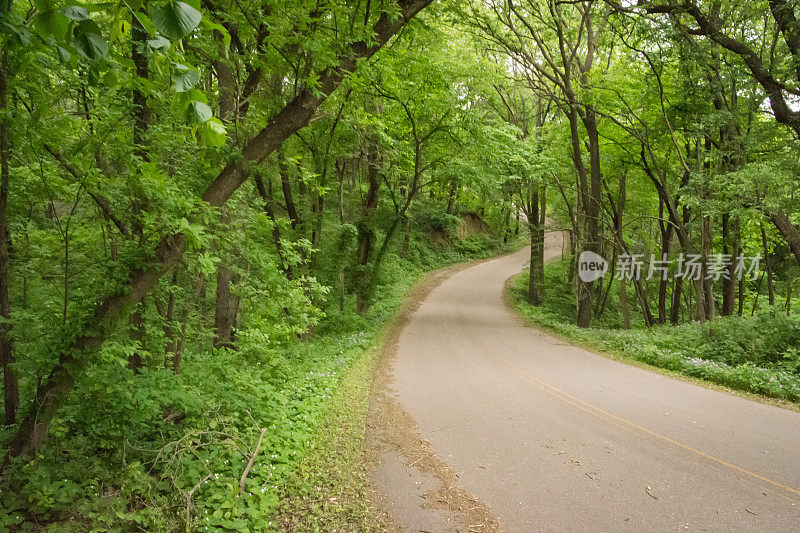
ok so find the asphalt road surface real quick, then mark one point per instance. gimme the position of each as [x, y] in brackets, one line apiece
[554, 437]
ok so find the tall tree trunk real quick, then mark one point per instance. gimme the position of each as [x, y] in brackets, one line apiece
[742, 294]
[589, 199]
[730, 240]
[141, 125]
[288, 196]
[225, 309]
[10, 382]
[406, 236]
[536, 271]
[667, 232]
[269, 210]
[768, 266]
[592, 211]
[675, 309]
[708, 282]
[788, 292]
[365, 228]
[137, 333]
[451, 198]
[623, 303]
[340, 191]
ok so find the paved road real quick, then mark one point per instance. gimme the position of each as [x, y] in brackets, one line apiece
[553, 437]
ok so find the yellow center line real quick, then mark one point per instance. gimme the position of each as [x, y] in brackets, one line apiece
[622, 422]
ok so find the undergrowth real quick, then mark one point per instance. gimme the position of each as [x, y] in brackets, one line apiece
[163, 452]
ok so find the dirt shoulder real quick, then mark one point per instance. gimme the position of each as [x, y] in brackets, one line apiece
[425, 492]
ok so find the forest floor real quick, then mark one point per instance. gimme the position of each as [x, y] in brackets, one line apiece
[488, 423]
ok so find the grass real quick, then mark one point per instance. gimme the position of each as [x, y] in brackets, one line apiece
[755, 355]
[328, 490]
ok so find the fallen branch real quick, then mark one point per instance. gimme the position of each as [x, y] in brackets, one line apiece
[189, 499]
[251, 461]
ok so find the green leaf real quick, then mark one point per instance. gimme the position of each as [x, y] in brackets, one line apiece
[76, 13]
[43, 5]
[198, 112]
[146, 23]
[51, 24]
[110, 79]
[226, 36]
[212, 132]
[175, 20]
[184, 78]
[90, 45]
[119, 29]
[63, 54]
[89, 26]
[159, 43]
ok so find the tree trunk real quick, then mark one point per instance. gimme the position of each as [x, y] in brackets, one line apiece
[340, 192]
[789, 232]
[623, 303]
[788, 292]
[708, 282]
[288, 197]
[269, 210]
[225, 309]
[137, 333]
[451, 197]
[666, 240]
[675, 310]
[10, 382]
[589, 187]
[536, 270]
[366, 231]
[141, 125]
[767, 265]
[730, 240]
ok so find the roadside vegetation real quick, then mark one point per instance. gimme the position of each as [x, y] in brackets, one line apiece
[756, 353]
[195, 431]
[207, 214]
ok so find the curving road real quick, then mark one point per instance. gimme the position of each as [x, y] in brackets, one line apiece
[554, 437]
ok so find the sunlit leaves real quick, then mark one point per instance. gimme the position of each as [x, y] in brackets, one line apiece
[197, 112]
[212, 133]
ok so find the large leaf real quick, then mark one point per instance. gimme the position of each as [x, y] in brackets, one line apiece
[198, 112]
[90, 45]
[76, 13]
[51, 24]
[175, 20]
[184, 78]
[212, 132]
[159, 43]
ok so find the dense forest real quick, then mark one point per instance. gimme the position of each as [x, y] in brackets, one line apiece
[209, 209]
